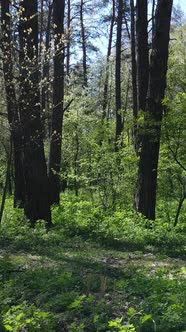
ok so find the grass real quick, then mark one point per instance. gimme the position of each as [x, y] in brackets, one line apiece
[117, 276]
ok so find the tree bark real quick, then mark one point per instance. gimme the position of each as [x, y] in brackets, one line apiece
[45, 98]
[37, 203]
[119, 124]
[106, 83]
[8, 167]
[149, 155]
[142, 52]
[83, 42]
[181, 201]
[12, 106]
[68, 41]
[58, 99]
[133, 58]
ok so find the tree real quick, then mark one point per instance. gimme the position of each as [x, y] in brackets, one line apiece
[106, 82]
[11, 102]
[37, 202]
[119, 122]
[58, 99]
[149, 154]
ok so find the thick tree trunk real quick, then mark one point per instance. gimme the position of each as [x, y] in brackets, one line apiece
[37, 202]
[12, 108]
[148, 164]
[83, 42]
[58, 96]
[119, 124]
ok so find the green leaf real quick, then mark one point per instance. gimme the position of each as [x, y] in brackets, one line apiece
[145, 318]
[8, 327]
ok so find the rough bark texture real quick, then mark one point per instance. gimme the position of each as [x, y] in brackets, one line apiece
[148, 164]
[119, 124]
[58, 96]
[37, 203]
[12, 107]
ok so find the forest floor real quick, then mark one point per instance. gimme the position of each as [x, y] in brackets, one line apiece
[85, 285]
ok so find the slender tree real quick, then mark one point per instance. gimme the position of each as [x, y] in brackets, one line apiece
[37, 203]
[133, 60]
[45, 58]
[149, 155]
[109, 49]
[69, 37]
[119, 123]
[58, 99]
[142, 52]
[83, 43]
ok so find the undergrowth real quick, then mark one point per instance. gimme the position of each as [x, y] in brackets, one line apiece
[95, 270]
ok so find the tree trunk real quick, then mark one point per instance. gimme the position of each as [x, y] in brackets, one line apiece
[83, 42]
[12, 108]
[119, 124]
[37, 203]
[8, 167]
[181, 201]
[105, 91]
[148, 164]
[68, 41]
[133, 58]
[142, 52]
[45, 98]
[58, 96]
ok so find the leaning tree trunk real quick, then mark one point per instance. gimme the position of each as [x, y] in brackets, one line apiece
[37, 203]
[149, 155]
[119, 124]
[12, 108]
[58, 96]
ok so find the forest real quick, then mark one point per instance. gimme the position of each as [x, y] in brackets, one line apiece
[92, 166]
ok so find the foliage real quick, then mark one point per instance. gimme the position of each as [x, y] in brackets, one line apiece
[95, 270]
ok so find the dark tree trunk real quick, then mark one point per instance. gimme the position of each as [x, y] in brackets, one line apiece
[45, 96]
[83, 42]
[58, 96]
[119, 124]
[134, 76]
[69, 37]
[133, 58]
[181, 201]
[142, 52]
[106, 83]
[37, 203]
[148, 164]
[12, 108]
